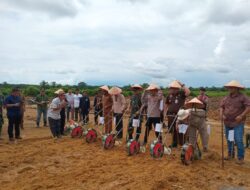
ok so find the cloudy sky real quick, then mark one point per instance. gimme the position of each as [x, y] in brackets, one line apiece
[118, 42]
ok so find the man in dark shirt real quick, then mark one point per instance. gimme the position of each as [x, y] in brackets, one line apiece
[42, 101]
[175, 101]
[233, 111]
[13, 106]
[1, 115]
[84, 107]
[98, 106]
[135, 106]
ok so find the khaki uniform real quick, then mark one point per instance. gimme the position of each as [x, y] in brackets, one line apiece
[107, 107]
[197, 122]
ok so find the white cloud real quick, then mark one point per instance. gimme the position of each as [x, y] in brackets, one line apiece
[124, 41]
[220, 46]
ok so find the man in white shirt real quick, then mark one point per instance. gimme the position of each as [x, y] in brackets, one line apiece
[77, 97]
[70, 105]
[54, 116]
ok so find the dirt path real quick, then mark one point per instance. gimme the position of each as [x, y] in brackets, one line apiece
[37, 162]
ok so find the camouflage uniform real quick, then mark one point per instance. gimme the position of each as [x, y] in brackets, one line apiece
[135, 104]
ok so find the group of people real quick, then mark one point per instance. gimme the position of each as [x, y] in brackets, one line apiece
[186, 118]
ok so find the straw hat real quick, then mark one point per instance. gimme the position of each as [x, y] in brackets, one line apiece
[115, 90]
[194, 103]
[136, 87]
[182, 114]
[153, 87]
[234, 84]
[105, 88]
[175, 84]
[59, 91]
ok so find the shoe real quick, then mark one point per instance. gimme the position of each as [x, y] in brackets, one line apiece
[173, 145]
[240, 161]
[37, 126]
[11, 139]
[205, 149]
[19, 137]
[228, 158]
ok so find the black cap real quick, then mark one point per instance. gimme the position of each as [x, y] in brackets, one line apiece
[202, 89]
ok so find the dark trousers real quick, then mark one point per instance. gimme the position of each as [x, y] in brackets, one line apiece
[85, 117]
[131, 129]
[14, 121]
[173, 130]
[68, 110]
[62, 122]
[55, 125]
[119, 124]
[151, 121]
[76, 114]
[98, 112]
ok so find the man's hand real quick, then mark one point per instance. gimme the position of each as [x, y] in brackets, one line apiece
[239, 118]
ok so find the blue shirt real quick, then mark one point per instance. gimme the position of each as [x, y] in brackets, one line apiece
[13, 111]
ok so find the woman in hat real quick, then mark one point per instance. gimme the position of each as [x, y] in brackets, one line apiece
[153, 110]
[233, 111]
[175, 100]
[134, 107]
[107, 102]
[54, 110]
[197, 123]
[119, 107]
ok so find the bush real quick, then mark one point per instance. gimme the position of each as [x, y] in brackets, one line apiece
[31, 91]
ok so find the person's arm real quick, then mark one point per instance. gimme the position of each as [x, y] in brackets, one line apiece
[8, 104]
[88, 104]
[95, 101]
[55, 107]
[240, 117]
[124, 104]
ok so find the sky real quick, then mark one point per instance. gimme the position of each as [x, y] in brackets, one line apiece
[120, 42]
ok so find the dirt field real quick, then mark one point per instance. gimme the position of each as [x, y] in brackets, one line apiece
[37, 162]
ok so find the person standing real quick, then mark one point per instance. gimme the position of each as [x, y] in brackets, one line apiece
[85, 107]
[203, 98]
[135, 107]
[174, 102]
[54, 116]
[153, 110]
[70, 105]
[233, 111]
[197, 123]
[13, 106]
[119, 107]
[42, 101]
[1, 115]
[107, 109]
[77, 97]
[98, 106]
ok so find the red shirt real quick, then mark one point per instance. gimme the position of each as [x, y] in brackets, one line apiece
[233, 106]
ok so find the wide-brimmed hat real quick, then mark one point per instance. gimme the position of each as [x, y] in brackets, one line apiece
[182, 114]
[136, 87]
[234, 84]
[153, 87]
[194, 103]
[115, 90]
[175, 84]
[105, 88]
[59, 91]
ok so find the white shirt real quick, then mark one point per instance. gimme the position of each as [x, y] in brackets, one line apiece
[77, 100]
[70, 99]
[54, 114]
